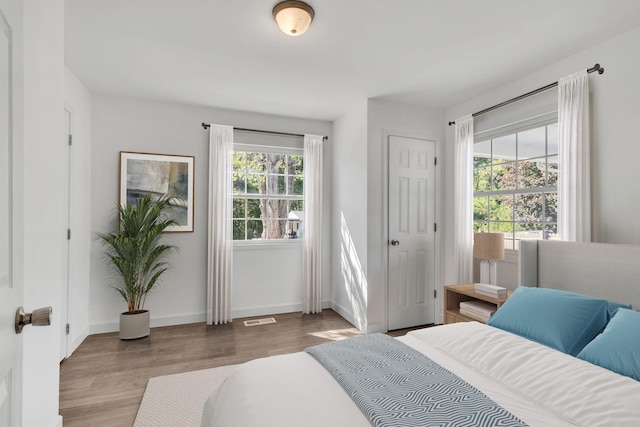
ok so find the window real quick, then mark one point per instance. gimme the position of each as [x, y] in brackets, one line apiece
[515, 178]
[267, 193]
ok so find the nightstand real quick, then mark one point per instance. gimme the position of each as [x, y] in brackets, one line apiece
[455, 294]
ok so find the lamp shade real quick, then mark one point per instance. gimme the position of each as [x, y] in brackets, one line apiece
[488, 245]
[293, 17]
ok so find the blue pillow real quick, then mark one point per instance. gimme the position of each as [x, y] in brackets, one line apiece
[561, 320]
[617, 348]
[613, 306]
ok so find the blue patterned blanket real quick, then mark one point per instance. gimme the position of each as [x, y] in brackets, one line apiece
[396, 386]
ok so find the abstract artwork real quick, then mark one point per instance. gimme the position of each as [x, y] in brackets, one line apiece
[159, 174]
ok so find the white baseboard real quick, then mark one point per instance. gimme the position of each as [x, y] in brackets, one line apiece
[58, 421]
[271, 309]
[102, 328]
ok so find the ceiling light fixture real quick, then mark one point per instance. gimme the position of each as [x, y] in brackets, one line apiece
[293, 17]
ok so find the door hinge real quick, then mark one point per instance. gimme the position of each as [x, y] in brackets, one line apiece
[68, 234]
[435, 294]
[435, 161]
[435, 227]
[68, 328]
[70, 139]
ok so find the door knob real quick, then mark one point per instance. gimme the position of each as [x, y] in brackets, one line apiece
[395, 242]
[39, 317]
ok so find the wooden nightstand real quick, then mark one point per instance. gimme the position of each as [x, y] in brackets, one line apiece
[455, 294]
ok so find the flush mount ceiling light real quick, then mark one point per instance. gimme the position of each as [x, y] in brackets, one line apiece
[293, 17]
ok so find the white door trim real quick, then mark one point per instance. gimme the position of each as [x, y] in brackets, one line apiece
[438, 301]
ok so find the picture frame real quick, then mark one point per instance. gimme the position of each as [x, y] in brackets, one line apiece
[160, 174]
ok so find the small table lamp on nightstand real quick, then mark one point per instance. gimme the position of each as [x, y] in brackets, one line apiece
[488, 247]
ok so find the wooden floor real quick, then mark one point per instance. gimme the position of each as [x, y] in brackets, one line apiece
[102, 383]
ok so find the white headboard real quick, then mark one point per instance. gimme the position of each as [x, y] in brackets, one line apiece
[600, 270]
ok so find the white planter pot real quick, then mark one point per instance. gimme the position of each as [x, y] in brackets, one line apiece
[134, 325]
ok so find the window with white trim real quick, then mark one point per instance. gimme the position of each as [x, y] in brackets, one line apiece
[515, 179]
[268, 199]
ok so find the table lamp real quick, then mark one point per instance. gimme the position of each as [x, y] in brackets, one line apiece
[488, 247]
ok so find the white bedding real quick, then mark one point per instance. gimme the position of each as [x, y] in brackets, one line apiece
[541, 386]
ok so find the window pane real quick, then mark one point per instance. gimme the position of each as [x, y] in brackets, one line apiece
[296, 162]
[528, 207]
[531, 174]
[500, 208]
[278, 185]
[551, 207]
[239, 184]
[239, 208]
[254, 229]
[296, 185]
[238, 229]
[504, 177]
[504, 149]
[255, 162]
[253, 209]
[531, 143]
[297, 205]
[552, 171]
[480, 208]
[482, 179]
[255, 184]
[239, 161]
[551, 232]
[552, 139]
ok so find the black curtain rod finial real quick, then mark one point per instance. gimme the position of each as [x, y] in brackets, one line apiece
[452, 123]
[205, 126]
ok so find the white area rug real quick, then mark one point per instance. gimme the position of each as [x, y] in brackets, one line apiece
[177, 400]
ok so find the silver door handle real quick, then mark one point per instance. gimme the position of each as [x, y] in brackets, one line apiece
[395, 242]
[39, 317]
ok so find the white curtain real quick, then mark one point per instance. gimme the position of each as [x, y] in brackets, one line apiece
[220, 242]
[574, 188]
[463, 198]
[312, 232]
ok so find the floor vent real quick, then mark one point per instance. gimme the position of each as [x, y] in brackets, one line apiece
[256, 322]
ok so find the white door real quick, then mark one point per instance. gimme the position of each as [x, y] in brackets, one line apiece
[10, 213]
[411, 239]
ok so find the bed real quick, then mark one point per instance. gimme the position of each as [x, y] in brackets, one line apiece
[561, 374]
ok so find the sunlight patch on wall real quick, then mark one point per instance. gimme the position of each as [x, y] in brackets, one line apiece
[355, 281]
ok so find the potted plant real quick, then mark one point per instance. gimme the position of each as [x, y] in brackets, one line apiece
[137, 255]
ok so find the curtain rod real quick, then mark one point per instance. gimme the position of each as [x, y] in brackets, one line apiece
[596, 67]
[271, 132]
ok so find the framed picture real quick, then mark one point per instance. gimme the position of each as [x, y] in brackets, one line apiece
[159, 174]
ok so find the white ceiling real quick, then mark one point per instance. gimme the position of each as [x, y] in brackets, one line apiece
[230, 54]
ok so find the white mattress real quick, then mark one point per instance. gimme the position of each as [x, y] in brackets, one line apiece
[541, 386]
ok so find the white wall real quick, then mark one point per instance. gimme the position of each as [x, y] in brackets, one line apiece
[614, 138]
[404, 120]
[349, 217]
[359, 243]
[77, 99]
[44, 231]
[125, 124]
